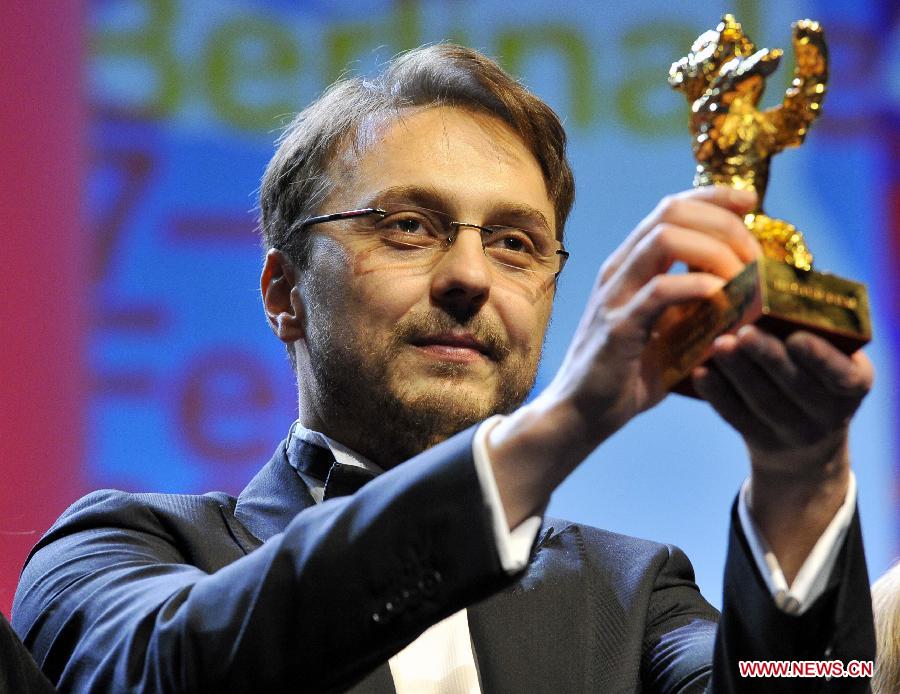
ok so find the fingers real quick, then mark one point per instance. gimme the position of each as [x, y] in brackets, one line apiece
[608, 364]
[756, 388]
[715, 211]
[783, 394]
[664, 246]
[850, 377]
[665, 290]
[769, 354]
[712, 386]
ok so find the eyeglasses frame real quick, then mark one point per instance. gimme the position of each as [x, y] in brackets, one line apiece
[365, 211]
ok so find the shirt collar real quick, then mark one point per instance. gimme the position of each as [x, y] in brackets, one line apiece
[341, 453]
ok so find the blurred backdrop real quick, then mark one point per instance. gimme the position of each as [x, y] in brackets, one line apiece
[135, 354]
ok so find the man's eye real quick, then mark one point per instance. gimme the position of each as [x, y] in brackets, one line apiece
[513, 243]
[410, 226]
[406, 224]
[507, 239]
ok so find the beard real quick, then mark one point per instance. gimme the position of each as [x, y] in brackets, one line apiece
[366, 405]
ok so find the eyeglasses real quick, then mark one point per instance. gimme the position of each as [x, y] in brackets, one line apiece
[412, 234]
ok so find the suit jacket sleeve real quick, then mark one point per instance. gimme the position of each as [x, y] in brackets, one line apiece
[679, 632]
[838, 626]
[114, 599]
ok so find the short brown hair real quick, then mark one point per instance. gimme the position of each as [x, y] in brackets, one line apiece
[296, 181]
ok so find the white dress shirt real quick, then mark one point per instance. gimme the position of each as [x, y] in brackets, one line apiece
[441, 660]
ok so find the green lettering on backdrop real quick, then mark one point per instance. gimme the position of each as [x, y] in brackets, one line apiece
[400, 30]
[150, 45]
[406, 25]
[251, 50]
[251, 66]
[515, 45]
[343, 42]
[647, 48]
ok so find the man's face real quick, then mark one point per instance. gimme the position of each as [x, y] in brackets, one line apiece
[397, 357]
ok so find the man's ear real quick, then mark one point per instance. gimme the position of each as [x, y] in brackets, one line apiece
[281, 298]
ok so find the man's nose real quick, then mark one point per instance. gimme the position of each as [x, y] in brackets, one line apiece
[461, 280]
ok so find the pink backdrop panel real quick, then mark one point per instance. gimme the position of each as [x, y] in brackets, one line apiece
[43, 305]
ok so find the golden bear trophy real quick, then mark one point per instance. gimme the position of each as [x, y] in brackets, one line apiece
[723, 78]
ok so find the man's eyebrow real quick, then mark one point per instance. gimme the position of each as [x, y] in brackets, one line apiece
[521, 211]
[433, 198]
[422, 196]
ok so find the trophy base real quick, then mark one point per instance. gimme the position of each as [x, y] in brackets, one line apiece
[775, 296]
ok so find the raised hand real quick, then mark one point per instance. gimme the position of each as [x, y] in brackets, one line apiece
[607, 376]
[606, 369]
[792, 402]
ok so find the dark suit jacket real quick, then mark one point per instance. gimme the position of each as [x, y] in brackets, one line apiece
[18, 672]
[269, 592]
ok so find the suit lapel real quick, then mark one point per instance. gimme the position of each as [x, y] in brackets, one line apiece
[266, 506]
[273, 498]
[516, 634]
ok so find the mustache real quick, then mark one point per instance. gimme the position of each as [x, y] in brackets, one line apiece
[489, 334]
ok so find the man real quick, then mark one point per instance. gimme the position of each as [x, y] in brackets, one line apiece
[413, 227]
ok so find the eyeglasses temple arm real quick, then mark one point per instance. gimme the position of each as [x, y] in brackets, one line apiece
[335, 216]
